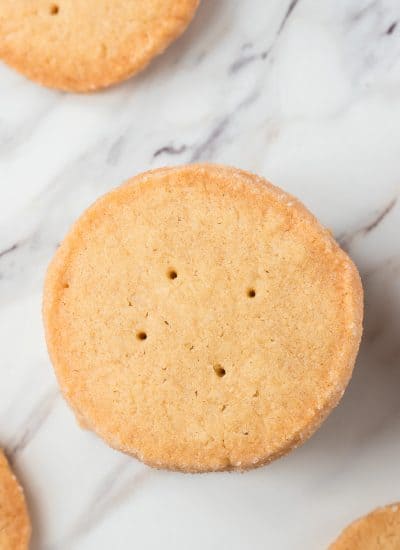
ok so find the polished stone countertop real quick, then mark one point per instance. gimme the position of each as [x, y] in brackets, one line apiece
[305, 93]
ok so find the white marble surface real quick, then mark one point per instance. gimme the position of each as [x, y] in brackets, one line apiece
[305, 92]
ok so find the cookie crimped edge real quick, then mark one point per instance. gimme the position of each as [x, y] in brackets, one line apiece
[50, 79]
[15, 494]
[236, 178]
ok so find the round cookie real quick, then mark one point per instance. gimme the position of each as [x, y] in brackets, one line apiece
[379, 530]
[15, 526]
[83, 45]
[200, 319]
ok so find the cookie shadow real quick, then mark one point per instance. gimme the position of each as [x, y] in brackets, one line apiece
[371, 404]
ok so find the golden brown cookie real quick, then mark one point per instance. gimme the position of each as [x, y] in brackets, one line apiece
[15, 526]
[83, 45]
[379, 530]
[201, 319]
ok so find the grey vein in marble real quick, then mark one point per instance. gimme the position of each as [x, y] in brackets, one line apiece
[347, 240]
[35, 421]
[114, 489]
[305, 93]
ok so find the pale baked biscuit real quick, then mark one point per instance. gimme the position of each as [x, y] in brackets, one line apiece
[15, 526]
[379, 530]
[200, 319]
[83, 45]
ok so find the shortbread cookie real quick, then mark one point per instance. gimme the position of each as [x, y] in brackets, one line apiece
[83, 45]
[200, 319]
[15, 526]
[379, 530]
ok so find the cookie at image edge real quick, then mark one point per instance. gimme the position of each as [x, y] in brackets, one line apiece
[15, 526]
[379, 530]
[84, 45]
[200, 319]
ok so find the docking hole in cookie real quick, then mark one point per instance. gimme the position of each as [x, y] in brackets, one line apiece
[172, 274]
[176, 345]
[83, 45]
[219, 371]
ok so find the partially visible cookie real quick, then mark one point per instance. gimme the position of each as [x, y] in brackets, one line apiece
[379, 530]
[15, 526]
[83, 45]
[201, 319]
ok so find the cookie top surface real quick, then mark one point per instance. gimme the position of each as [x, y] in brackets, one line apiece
[83, 45]
[14, 521]
[379, 530]
[200, 319]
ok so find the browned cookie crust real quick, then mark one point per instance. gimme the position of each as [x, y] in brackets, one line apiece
[15, 526]
[201, 319]
[83, 45]
[379, 530]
